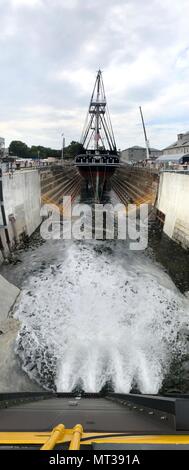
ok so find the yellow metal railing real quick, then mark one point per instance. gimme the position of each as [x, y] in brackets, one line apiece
[75, 436]
[55, 437]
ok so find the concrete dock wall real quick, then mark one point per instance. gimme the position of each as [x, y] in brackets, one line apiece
[8, 296]
[13, 378]
[22, 202]
[173, 202]
[59, 181]
[25, 191]
[135, 184]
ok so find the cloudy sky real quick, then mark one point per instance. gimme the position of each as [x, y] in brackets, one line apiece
[50, 51]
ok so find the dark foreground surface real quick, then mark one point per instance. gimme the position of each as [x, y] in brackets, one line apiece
[130, 414]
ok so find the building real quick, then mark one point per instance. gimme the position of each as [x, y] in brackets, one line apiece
[180, 146]
[173, 159]
[6, 152]
[2, 146]
[137, 153]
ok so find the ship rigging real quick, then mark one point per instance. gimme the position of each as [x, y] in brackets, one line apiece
[100, 158]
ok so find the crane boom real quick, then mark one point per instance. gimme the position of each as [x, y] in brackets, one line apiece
[145, 136]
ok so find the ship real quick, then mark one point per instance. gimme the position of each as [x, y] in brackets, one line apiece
[100, 158]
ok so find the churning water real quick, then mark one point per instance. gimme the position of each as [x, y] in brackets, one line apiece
[100, 315]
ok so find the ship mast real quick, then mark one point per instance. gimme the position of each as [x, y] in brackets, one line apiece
[98, 128]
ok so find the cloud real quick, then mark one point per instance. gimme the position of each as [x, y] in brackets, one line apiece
[50, 51]
[25, 3]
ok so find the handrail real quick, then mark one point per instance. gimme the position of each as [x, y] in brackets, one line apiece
[75, 440]
[73, 437]
[56, 435]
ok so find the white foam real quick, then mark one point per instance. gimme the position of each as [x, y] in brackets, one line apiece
[100, 317]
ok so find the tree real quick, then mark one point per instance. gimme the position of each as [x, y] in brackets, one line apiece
[37, 151]
[74, 149]
[43, 152]
[18, 149]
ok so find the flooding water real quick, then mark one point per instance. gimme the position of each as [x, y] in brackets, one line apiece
[95, 313]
